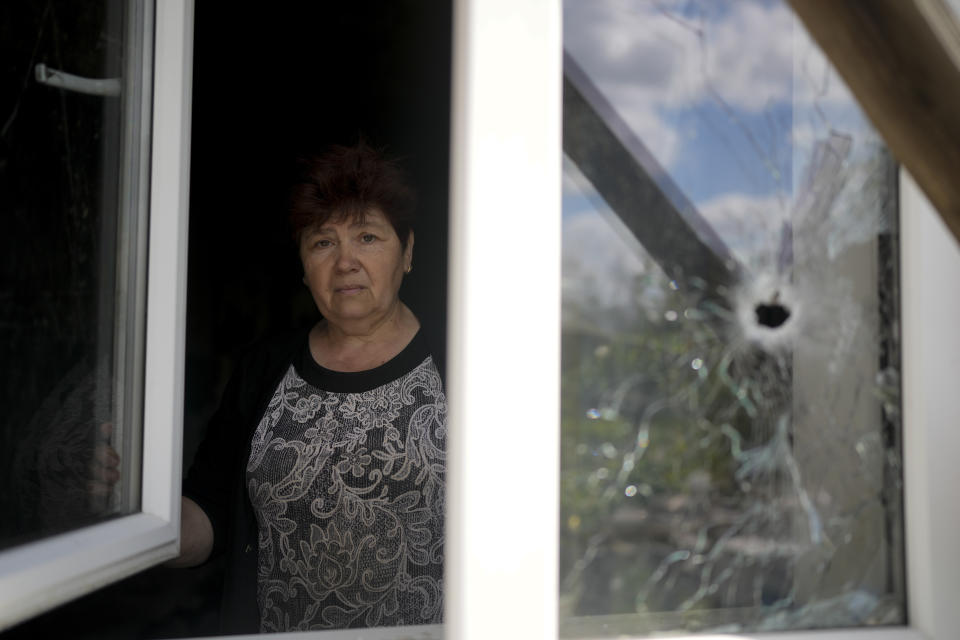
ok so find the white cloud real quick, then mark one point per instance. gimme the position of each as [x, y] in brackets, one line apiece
[748, 57]
[657, 59]
[600, 262]
[627, 53]
[742, 49]
[634, 105]
[652, 57]
[742, 208]
[751, 226]
[648, 58]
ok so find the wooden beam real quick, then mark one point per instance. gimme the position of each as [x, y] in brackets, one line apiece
[901, 59]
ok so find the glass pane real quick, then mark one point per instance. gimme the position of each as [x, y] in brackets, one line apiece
[730, 356]
[69, 321]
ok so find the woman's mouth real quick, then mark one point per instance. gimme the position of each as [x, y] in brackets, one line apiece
[349, 289]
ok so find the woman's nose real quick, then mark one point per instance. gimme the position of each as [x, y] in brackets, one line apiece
[346, 260]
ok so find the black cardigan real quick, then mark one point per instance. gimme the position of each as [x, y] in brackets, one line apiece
[216, 477]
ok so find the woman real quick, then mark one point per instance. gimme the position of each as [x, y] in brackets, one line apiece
[322, 472]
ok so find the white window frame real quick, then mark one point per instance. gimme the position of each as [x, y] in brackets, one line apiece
[504, 348]
[504, 328]
[504, 342]
[38, 576]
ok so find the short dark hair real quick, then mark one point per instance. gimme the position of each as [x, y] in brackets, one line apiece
[347, 182]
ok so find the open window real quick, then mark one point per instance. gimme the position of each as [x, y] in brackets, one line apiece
[504, 361]
[244, 279]
[96, 161]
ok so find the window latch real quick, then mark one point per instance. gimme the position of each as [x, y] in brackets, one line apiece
[63, 80]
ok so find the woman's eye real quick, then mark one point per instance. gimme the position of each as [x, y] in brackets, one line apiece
[367, 238]
[322, 244]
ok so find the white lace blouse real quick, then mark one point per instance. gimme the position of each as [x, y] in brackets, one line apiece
[346, 477]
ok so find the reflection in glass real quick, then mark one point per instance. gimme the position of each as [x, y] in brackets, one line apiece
[730, 356]
[67, 446]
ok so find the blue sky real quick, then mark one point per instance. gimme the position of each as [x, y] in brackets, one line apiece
[728, 95]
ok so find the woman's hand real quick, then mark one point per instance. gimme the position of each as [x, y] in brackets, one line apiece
[104, 466]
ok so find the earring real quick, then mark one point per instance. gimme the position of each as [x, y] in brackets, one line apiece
[408, 269]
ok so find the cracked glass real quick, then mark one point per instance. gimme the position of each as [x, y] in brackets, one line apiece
[730, 347]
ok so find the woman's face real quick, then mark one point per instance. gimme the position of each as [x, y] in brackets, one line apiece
[354, 269]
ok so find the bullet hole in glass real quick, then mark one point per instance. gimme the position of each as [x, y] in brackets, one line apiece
[773, 313]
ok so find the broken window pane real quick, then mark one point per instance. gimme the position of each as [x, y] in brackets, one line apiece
[730, 356]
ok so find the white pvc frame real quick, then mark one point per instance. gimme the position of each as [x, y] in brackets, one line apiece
[504, 332]
[503, 357]
[930, 273]
[38, 576]
[504, 320]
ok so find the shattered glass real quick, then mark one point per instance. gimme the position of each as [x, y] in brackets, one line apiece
[730, 357]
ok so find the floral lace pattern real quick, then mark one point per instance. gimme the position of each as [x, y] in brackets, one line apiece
[348, 489]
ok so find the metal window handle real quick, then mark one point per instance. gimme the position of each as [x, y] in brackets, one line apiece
[64, 80]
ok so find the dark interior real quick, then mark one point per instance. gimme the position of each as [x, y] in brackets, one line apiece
[269, 84]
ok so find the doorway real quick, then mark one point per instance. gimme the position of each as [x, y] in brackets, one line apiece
[269, 86]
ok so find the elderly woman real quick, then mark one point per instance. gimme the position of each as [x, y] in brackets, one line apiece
[322, 472]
